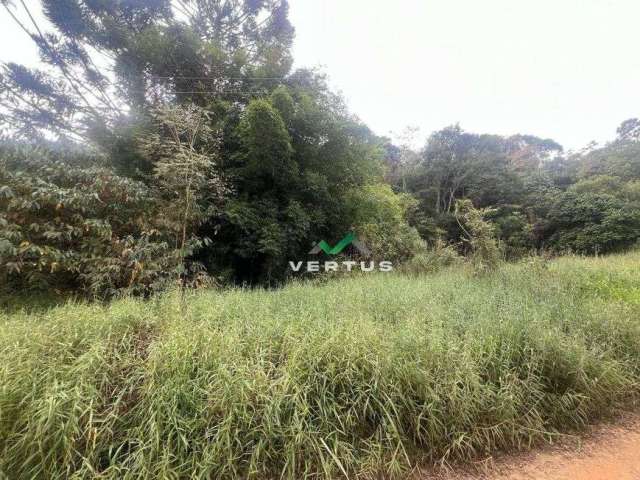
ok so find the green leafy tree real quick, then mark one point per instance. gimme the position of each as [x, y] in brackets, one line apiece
[592, 222]
[265, 155]
[184, 151]
[293, 156]
[379, 217]
[629, 130]
[108, 63]
[286, 145]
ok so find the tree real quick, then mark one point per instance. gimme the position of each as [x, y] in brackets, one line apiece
[620, 158]
[379, 218]
[457, 164]
[592, 223]
[111, 61]
[402, 159]
[265, 155]
[184, 154]
[447, 163]
[527, 152]
[629, 130]
[294, 156]
[286, 145]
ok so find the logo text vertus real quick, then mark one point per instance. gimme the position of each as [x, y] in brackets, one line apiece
[348, 265]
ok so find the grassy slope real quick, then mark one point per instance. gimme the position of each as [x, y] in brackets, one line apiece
[356, 376]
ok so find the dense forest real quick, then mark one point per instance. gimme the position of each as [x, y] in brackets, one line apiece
[165, 140]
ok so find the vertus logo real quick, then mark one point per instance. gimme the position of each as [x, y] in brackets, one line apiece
[350, 239]
[348, 265]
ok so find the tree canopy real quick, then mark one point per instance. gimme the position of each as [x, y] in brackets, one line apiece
[173, 136]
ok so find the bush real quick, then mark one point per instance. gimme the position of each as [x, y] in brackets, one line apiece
[378, 216]
[440, 256]
[66, 227]
[592, 223]
[480, 236]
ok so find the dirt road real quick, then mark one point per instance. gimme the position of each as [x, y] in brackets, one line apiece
[609, 452]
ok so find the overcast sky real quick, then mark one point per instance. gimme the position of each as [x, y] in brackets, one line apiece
[565, 69]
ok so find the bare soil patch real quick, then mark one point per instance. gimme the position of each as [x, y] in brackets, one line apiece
[606, 452]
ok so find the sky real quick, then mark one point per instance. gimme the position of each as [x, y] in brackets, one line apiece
[562, 69]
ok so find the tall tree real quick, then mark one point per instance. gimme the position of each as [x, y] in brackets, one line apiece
[108, 61]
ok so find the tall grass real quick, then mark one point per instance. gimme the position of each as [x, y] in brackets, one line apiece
[361, 377]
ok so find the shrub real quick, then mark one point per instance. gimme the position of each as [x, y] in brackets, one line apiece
[378, 216]
[480, 236]
[66, 227]
[442, 255]
[592, 223]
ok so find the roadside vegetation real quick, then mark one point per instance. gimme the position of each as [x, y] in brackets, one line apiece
[357, 377]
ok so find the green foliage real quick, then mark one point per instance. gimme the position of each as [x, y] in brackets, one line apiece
[620, 159]
[286, 146]
[363, 377]
[187, 51]
[199, 91]
[480, 236]
[66, 227]
[293, 158]
[265, 150]
[457, 164]
[592, 222]
[378, 215]
[184, 152]
[283, 102]
[540, 198]
[597, 184]
[629, 130]
[440, 256]
[84, 228]
[492, 171]
[598, 211]
[514, 230]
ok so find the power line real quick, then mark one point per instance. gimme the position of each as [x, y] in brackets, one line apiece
[209, 77]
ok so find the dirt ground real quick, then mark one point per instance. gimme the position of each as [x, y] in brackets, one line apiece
[607, 452]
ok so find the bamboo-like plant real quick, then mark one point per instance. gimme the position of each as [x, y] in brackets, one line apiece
[479, 234]
[184, 149]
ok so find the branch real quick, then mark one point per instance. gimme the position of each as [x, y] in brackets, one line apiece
[58, 62]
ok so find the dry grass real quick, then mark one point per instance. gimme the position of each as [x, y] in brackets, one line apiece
[361, 377]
